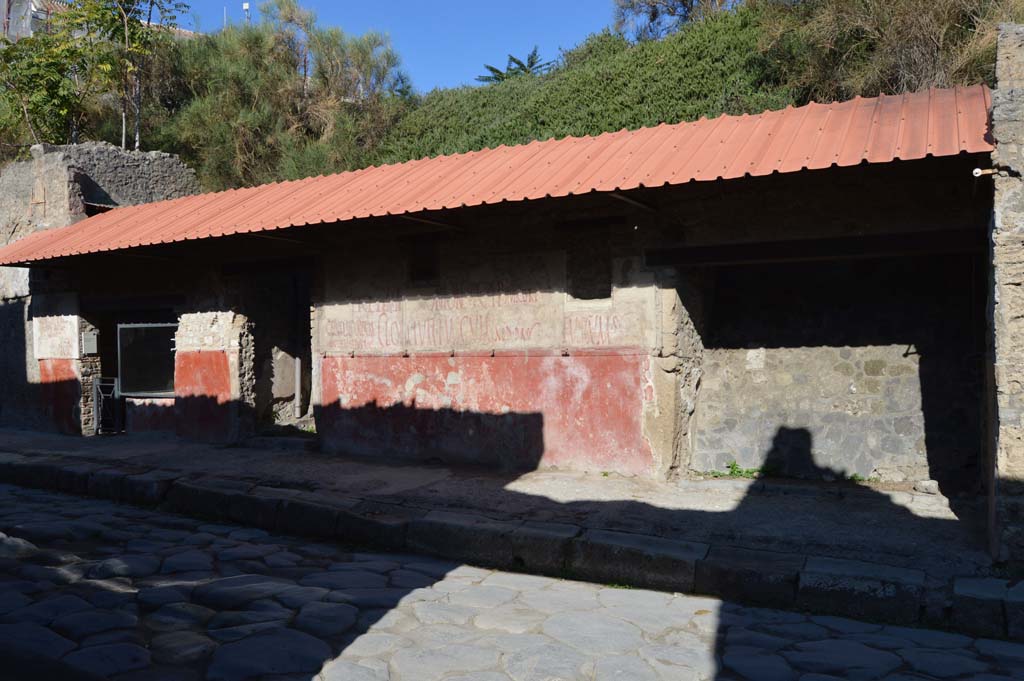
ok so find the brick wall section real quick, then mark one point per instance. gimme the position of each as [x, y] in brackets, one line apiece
[1008, 294]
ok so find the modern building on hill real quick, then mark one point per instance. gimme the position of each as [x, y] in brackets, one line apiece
[22, 18]
[830, 290]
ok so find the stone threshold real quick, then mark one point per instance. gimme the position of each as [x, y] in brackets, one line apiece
[816, 584]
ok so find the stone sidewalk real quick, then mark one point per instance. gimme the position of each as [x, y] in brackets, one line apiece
[90, 589]
[840, 549]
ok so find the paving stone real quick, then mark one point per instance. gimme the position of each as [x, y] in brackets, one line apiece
[16, 547]
[298, 596]
[442, 613]
[257, 611]
[125, 566]
[797, 631]
[428, 665]
[248, 534]
[35, 639]
[882, 641]
[181, 647]
[380, 566]
[154, 597]
[374, 644]
[232, 592]
[108, 660]
[282, 559]
[1000, 649]
[754, 664]
[746, 638]
[941, 663]
[561, 598]
[511, 618]
[229, 634]
[278, 651]
[12, 600]
[178, 616]
[326, 619]
[188, 561]
[855, 660]
[623, 668]
[48, 609]
[439, 568]
[343, 670]
[686, 658]
[345, 579]
[844, 625]
[81, 624]
[929, 638]
[596, 633]
[410, 579]
[115, 636]
[370, 598]
[482, 596]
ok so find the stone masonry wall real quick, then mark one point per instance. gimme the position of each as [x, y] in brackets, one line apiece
[1008, 297]
[869, 368]
[50, 190]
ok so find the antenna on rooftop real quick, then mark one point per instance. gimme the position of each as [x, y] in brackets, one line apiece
[245, 8]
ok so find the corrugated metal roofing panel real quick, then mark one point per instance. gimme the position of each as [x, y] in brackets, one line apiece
[873, 130]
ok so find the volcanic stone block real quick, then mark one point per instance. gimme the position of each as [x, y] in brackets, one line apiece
[767, 578]
[978, 606]
[862, 590]
[376, 524]
[463, 536]
[636, 560]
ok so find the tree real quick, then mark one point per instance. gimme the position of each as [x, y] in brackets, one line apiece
[285, 98]
[533, 65]
[36, 89]
[654, 19]
[130, 31]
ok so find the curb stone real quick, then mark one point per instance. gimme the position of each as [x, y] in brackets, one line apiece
[766, 578]
[861, 590]
[980, 606]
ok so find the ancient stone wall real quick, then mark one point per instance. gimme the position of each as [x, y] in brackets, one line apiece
[510, 352]
[55, 188]
[1007, 300]
[870, 368]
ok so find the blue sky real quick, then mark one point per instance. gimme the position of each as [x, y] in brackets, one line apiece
[446, 43]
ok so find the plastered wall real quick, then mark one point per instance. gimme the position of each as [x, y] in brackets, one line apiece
[495, 362]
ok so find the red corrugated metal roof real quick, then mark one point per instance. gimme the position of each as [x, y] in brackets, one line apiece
[873, 130]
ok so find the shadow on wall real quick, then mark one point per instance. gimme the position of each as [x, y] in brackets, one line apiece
[49, 401]
[884, 358]
[501, 442]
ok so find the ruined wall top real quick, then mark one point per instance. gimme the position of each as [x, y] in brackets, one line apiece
[53, 188]
[1007, 100]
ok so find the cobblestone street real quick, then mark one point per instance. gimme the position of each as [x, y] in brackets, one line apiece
[109, 591]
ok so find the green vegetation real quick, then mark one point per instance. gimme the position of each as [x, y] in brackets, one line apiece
[734, 470]
[706, 69]
[287, 98]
